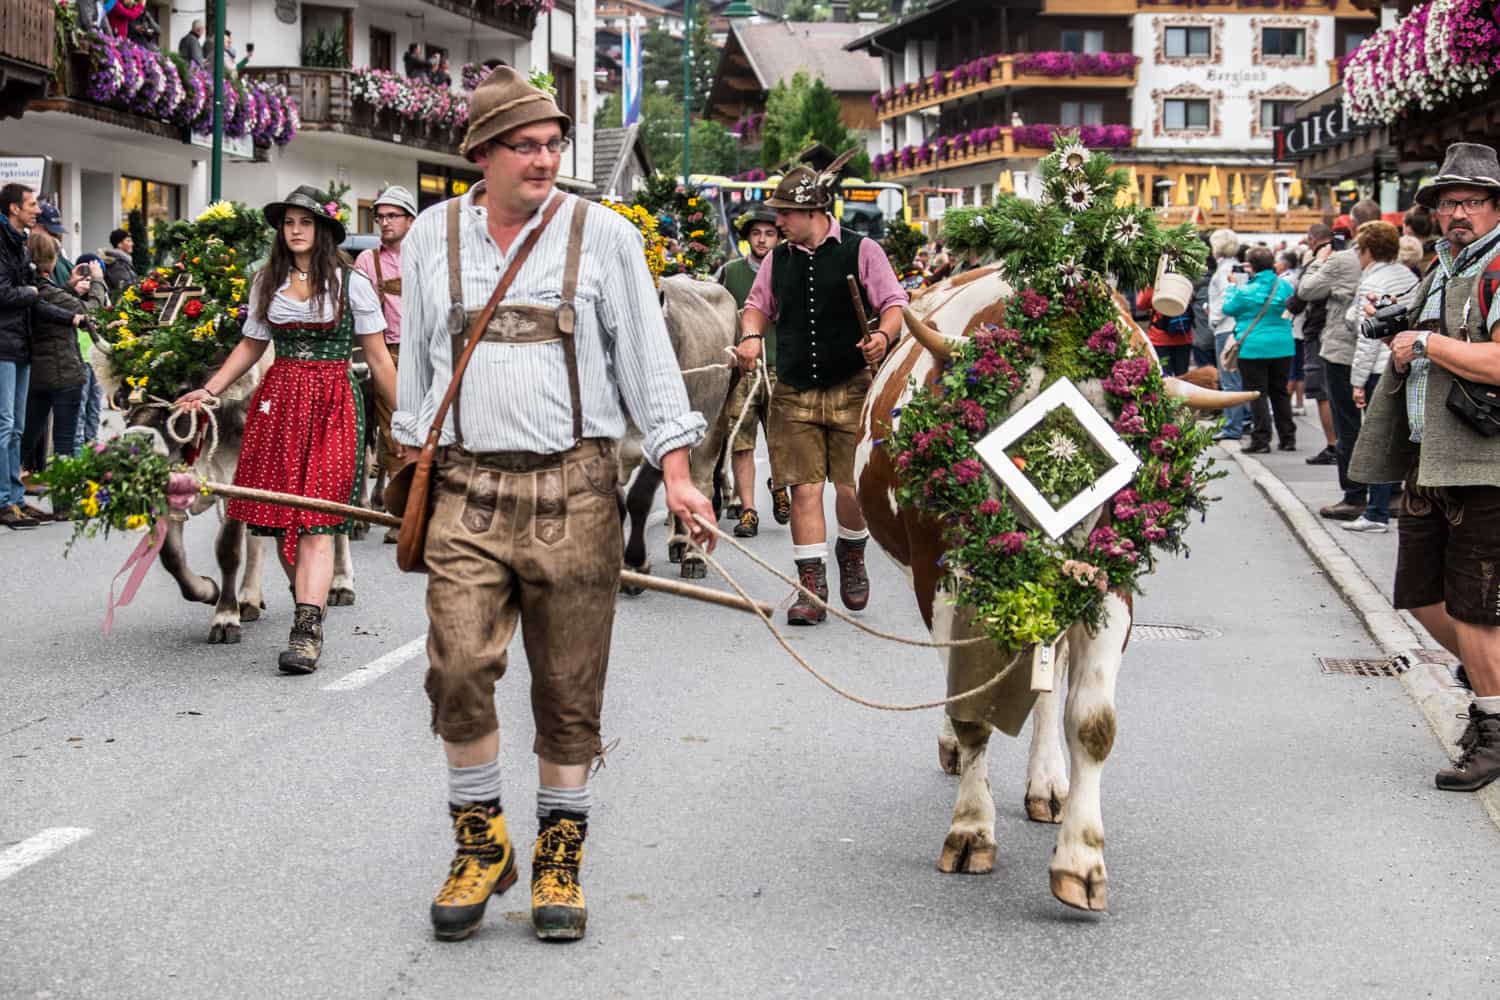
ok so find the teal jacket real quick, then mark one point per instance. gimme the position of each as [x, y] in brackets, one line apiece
[1272, 336]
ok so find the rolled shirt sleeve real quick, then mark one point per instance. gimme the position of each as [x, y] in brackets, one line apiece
[761, 298]
[881, 285]
[645, 366]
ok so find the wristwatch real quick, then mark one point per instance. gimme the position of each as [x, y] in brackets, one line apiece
[1419, 346]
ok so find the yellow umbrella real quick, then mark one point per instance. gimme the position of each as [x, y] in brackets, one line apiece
[1006, 185]
[1239, 190]
[1215, 187]
[1206, 195]
[1180, 195]
[1268, 194]
[1129, 194]
[1295, 191]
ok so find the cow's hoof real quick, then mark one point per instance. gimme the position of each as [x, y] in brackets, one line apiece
[968, 853]
[1044, 809]
[251, 612]
[224, 634]
[675, 551]
[948, 756]
[340, 597]
[1090, 894]
[694, 569]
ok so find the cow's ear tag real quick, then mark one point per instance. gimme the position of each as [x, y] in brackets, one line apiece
[1043, 664]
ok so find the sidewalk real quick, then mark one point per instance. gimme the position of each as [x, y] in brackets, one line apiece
[1362, 567]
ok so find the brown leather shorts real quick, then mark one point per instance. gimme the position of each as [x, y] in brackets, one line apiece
[533, 539]
[812, 433]
[1448, 551]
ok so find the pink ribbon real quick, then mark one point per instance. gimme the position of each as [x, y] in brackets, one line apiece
[144, 555]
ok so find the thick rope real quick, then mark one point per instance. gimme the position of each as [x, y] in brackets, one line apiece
[877, 633]
[174, 413]
[717, 366]
[760, 377]
[830, 685]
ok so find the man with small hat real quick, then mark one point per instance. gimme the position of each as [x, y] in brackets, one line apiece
[757, 227]
[525, 526]
[824, 362]
[395, 210]
[1416, 431]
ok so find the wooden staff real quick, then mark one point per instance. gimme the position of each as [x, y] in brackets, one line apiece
[859, 310]
[627, 577]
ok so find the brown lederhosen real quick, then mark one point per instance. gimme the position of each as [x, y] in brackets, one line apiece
[520, 536]
[388, 454]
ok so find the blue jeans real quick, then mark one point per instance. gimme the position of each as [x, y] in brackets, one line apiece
[1235, 417]
[62, 405]
[1378, 495]
[88, 413]
[15, 382]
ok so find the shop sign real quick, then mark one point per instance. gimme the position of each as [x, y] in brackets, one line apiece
[1309, 134]
[28, 170]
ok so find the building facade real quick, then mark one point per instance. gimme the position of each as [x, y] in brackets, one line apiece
[363, 123]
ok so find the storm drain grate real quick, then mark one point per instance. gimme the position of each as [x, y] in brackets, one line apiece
[1165, 633]
[1387, 667]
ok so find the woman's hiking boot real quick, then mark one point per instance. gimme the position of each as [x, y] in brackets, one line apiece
[813, 575]
[484, 865]
[305, 644]
[558, 912]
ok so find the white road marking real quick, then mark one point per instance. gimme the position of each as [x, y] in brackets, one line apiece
[43, 845]
[378, 667]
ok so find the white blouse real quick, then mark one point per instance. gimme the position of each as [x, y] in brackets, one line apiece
[363, 301]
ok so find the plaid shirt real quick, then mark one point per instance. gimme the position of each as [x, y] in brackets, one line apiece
[1473, 259]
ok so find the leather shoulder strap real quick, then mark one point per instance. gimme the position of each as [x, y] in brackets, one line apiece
[476, 329]
[379, 276]
[567, 317]
[455, 271]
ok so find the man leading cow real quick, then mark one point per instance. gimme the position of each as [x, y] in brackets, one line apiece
[824, 361]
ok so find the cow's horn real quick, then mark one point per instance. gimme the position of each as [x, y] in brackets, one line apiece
[937, 345]
[1200, 398]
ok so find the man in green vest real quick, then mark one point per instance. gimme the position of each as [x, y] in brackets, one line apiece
[756, 227]
[825, 359]
[1449, 533]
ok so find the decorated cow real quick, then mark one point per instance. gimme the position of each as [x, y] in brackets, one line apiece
[1024, 460]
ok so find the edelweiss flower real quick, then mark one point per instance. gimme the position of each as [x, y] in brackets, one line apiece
[1070, 272]
[1127, 230]
[1062, 448]
[1073, 156]
[1078, 196]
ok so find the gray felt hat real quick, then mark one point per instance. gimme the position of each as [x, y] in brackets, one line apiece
[1467, 164]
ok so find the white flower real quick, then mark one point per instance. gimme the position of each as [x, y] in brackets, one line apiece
[1127, 230]
[1072, 156]
[1062, 448]
[1070, 272]
[1078, 196]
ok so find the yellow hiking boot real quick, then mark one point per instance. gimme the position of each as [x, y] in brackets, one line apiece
[483, 866]
[558, 912]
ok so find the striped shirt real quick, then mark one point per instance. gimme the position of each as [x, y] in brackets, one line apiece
[515, 396]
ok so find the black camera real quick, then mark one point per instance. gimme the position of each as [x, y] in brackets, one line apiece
[1389, 319]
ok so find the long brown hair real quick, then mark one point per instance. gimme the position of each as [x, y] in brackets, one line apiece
[321, 270]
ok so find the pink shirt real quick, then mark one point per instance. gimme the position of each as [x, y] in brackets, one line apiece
[875, 274]
[390, 266]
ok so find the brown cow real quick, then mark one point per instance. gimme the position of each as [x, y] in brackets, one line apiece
[1090, 662]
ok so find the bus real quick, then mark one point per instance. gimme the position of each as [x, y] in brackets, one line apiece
[864, 207]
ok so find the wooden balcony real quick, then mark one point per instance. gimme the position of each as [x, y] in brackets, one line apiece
[1003, 75]
[326, 105]
[505, 15]
[25, 53]
[1005, 148]
[1242, 221]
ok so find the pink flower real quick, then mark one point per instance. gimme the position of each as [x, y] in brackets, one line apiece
[1130, 420]
[972, 415]
[1012, 542]
[903, 460]
[1126, 376]
[967, 471]
[989, 507]
[1033, 305]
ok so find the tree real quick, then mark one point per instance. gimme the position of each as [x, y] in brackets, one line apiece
[661, 56]
[880, 8]
[661, 129]
[807, 10]
[800, 113]
[715, 151]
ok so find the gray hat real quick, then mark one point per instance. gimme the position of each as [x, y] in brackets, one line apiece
[1467, 164]
[310, 198]
[397, 197]
[759, 212]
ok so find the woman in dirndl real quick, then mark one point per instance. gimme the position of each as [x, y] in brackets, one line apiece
[304, 430]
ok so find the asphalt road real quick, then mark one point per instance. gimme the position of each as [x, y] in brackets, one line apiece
[1272, 831]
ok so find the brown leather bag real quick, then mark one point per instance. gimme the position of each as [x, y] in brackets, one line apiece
[409, 494]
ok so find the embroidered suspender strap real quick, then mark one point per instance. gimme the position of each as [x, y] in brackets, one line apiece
[567, 314]
[476, 329]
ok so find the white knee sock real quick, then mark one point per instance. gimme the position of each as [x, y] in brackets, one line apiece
[851, 535]
[1489, 705]
[815, 551]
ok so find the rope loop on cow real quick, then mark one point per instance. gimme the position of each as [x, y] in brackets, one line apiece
[716, 366]
[782, 641]
[175, 412]
[760, 376]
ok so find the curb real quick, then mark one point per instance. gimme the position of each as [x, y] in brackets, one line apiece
[1428, 684]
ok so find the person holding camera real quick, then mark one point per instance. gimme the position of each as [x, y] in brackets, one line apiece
[1256, 301]
[1332, 276]
[1378, 312]
[1423, 426]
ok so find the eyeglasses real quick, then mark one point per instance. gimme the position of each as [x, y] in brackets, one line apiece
[528, 148]
[1450, 205]
[382, 218]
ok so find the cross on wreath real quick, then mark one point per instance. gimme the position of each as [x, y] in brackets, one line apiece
[175, 296]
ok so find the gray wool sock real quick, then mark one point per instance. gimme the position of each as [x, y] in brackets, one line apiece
[550, 798]
[480, 783]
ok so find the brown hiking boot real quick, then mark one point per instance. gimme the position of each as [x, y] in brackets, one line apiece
[813, 575]
[305, 644]
[483, 866]
[854, 579]
[14, 518]
[1478, 763]
[781, 502]
[749, 525]
[558, 911]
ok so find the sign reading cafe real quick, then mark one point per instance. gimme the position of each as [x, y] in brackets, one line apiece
[1311, 133]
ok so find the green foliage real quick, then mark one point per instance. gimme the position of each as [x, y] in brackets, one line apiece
[1077, 220]
[807, 10]
[901, 243]
[543, 80]
[118, 485]
[880, 8]
[326, 49]
[715, 151]
[803, 111]
[661, 128]
[661, 57]
[692, 216]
